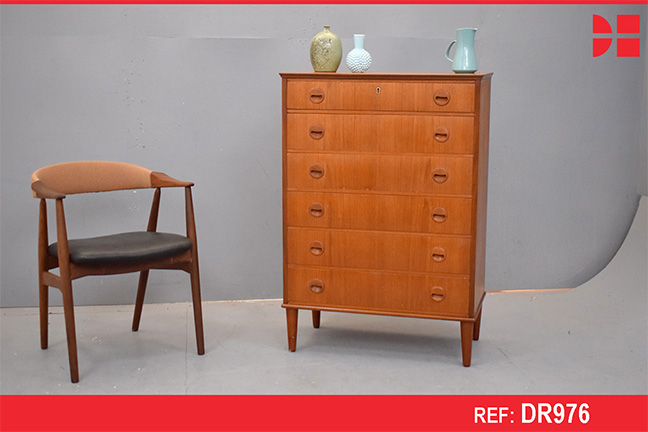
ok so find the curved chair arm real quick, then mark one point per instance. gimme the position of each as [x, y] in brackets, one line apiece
[42, 191]
[159, 179]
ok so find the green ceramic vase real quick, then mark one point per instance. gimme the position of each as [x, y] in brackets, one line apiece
[326, 51]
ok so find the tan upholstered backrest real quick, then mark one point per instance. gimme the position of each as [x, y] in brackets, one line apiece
[92, 176]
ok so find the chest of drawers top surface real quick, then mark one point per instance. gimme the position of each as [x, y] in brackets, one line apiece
[387, 76]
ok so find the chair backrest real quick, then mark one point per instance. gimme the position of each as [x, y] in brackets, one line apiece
[92, 176]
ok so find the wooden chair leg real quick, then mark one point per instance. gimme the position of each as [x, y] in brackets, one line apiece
[466, 341]
[70, 329]
[477, 326]
[194, 273]
[317, 316]
[43, 290]
[43, 297]
[139, 302]
[291, 319]
[197, 309]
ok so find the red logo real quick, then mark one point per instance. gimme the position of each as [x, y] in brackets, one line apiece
[627, 25]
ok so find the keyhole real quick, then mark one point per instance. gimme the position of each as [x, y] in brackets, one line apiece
[377, 90]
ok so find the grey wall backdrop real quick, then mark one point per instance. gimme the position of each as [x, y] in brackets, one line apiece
[194, 91]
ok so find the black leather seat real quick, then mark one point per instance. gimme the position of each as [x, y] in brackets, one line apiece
[124, 247]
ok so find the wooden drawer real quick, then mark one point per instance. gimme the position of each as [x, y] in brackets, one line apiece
[379, 173]
[380, 133]
[409, 213]
[361, 95]
[378, 250]
[377, 291]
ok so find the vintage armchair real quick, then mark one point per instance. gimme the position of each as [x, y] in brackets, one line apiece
[139, 251]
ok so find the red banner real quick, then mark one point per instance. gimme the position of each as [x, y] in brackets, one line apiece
[324, 413]
[324, 2]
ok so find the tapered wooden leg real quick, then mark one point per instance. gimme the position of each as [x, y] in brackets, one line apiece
[194, 272]
[70, 329]
[197, 310]
[43, 290]
[66, 289]
[43, 296]
[477, 326]
[139, 302]
[291, 319]
[466, 341]
[316, 318]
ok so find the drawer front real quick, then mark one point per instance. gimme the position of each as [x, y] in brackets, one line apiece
[376, 291]
[379, 173]
[413, 96]
[409, 213]
[380, 133]
[379, 251]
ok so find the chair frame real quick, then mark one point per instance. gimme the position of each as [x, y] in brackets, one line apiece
[69, 271]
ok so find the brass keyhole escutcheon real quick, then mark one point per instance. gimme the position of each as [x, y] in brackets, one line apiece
[378, 89]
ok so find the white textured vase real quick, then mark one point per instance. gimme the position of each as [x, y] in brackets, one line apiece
[358, 60]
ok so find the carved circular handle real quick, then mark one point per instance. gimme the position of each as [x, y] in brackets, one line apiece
[316, 285]
[441, 134]
[439, 214]
[316, 209]
[316, 132]
[441, 97]
[438, 254]
[316, 171]
[437, 293]
[439, 175]
[316, 95]
[317, 248]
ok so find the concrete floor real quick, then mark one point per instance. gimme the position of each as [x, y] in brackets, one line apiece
[588, 340]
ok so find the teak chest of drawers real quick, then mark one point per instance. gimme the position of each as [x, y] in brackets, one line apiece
[384, 196]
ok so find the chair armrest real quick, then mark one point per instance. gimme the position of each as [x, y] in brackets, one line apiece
[159, 179]
[42, 191]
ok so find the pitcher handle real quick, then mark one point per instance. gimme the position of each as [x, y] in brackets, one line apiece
[447, 53]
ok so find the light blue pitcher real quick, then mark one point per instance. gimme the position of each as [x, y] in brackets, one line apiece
[464, 58]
